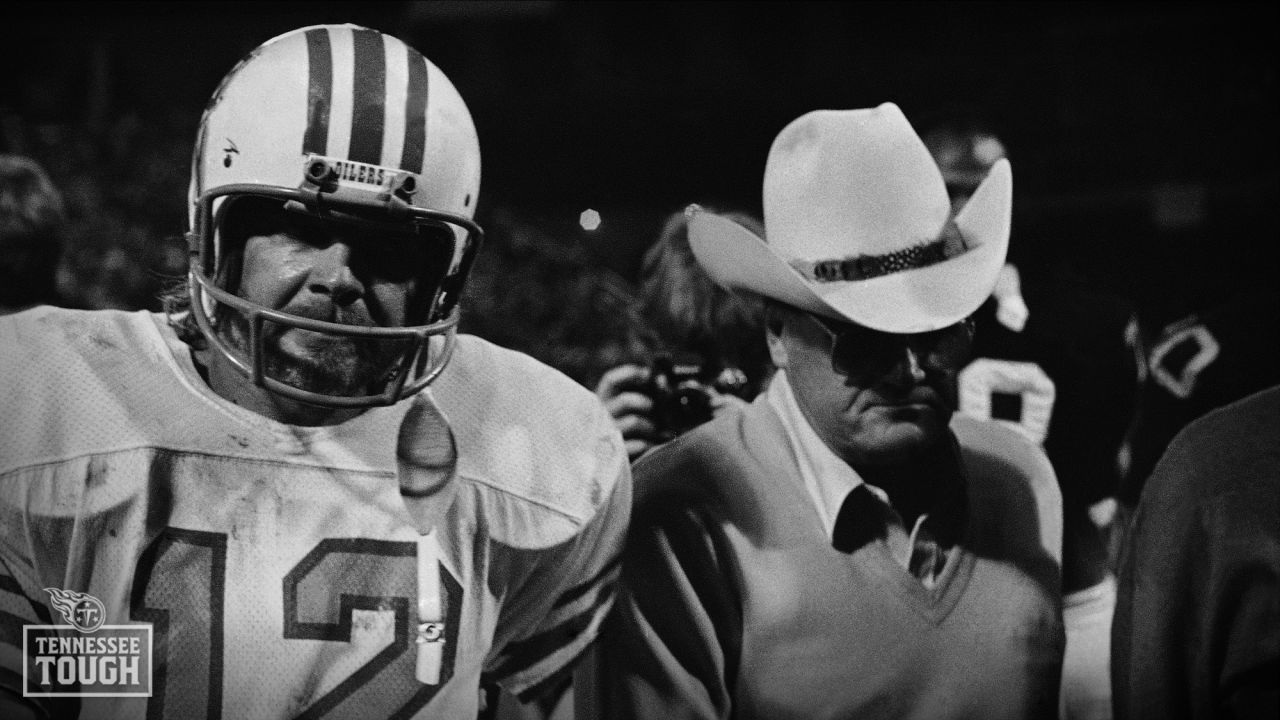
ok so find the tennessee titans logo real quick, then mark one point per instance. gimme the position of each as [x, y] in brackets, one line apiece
[84, 611]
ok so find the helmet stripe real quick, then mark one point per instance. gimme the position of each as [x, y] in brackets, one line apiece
[415, 110]
[369, 88]
[397, 81]
[344, 78]
[319, 92]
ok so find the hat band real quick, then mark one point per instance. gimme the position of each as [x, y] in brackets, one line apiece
[865, 267]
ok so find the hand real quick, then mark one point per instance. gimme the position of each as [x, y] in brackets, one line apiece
[621, 391]
[427, 463]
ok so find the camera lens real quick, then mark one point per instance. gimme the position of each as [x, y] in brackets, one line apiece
[683, 410]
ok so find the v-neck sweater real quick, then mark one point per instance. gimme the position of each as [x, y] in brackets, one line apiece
[734, 603]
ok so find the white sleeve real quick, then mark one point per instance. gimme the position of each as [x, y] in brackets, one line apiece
[551, 619]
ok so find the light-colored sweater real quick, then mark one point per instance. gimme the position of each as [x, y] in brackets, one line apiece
[735, 604]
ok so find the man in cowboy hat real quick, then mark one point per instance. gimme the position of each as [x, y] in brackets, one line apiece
[844, 546]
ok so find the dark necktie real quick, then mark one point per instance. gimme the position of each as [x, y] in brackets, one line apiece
[864, 518]
[860, 521]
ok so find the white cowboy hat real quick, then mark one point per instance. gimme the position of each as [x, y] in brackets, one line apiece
[856, 216]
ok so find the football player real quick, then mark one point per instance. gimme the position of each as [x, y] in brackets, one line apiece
[320, 498]
[1058, 359]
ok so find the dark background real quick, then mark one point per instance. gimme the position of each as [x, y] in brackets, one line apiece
[1142, 135]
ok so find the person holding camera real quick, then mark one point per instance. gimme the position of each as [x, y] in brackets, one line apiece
[708, 350]
[846, 545]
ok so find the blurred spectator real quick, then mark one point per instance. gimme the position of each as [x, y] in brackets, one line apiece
[1058, 359]
[123, 190]
[686, 309]
[706, 349]
[32, 229]
[1197, 624]
[1201, 362]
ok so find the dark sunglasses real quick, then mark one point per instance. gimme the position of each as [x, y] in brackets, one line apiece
[858, 351]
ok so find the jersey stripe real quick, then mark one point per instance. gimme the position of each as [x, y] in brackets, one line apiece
[319, 91]
[17, 610]
[562, 675]
[369, 82]
[415, 112]
[524, 654]
[604, 578]
[13, 600]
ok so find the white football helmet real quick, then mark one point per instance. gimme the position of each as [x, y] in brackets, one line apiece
[350, 125]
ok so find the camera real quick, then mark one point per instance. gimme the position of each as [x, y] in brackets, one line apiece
[682, 391]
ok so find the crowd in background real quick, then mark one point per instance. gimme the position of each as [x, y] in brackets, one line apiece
[122, 239]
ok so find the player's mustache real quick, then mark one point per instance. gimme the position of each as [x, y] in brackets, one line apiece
[332, 312]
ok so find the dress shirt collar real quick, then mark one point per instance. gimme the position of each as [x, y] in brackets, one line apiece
[827, 478]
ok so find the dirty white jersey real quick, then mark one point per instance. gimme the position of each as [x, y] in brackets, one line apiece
[277, 565]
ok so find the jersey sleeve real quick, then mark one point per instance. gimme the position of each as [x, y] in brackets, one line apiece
[672, 646]
[16, 610]
[556, 612]
[19, 606]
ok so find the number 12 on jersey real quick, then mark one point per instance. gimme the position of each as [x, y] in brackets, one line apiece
[180, 588]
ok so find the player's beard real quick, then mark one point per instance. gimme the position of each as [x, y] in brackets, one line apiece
[319, 362]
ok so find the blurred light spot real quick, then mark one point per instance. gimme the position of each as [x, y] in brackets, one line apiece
[988, 149]
[589, 219]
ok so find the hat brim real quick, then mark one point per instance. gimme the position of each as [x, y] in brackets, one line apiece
[916, 300]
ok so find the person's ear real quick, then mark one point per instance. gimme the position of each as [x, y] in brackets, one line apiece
[777, 348]
[774, 326]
